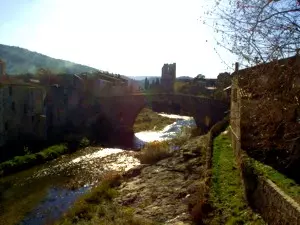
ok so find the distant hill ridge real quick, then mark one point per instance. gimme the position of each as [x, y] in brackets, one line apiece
[20, 61]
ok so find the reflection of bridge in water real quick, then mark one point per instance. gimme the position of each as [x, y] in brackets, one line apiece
[121, 111]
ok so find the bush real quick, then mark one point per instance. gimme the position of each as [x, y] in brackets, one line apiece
[154, 152]
[84, 142]
[113, 178]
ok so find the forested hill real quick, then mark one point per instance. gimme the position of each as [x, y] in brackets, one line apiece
[20, 61]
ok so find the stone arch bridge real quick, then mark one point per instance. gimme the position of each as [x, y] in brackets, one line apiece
[121, 111]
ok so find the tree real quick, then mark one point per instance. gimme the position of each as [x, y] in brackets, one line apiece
[256, 30]
[199, 77]
[223, 80]
[146, 83]
[157, 82]
[152, 85]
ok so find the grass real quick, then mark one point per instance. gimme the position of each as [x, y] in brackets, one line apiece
[154, 151]
[23, 162]
[288, 185]
[149, 120]
[227, 190]
[98, 207]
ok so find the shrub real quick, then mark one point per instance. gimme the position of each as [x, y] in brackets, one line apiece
[154, 151]
[113, 178]
[84, 142]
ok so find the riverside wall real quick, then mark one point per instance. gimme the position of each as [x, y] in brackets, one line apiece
[262, 194]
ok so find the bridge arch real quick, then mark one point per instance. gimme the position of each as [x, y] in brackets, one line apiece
[121, 111]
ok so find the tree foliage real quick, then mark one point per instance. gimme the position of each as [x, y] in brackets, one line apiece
[256, 30]
[146, 83]
[223, 80]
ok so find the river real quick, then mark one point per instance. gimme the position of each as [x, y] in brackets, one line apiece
[45, 192]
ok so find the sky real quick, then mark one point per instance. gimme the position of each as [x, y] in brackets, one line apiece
[128, 37]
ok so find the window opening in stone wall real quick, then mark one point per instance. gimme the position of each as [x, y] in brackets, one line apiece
[6, 126]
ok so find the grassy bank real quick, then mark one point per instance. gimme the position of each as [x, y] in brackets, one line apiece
[288, 185]
[28, 160]
[23, 162]
[227, 190]
[149, 120]
[98, 207]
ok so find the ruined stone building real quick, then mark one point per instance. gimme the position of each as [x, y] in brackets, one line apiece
[63, 101]
[35, 111]
[22, 112]
[22, 109]
[168, 77]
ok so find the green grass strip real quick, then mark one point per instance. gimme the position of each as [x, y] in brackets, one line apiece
[227, 194]
[288, 185]
[26, 161]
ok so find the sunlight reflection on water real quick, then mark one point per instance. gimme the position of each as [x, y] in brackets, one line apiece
[90, 166]
[169, 132]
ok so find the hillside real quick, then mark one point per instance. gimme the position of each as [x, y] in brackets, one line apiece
[20, 61]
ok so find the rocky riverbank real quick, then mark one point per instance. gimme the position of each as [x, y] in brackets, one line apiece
[168, 191]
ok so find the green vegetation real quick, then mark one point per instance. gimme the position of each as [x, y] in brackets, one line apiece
[21, 61]
[97, 207]
[23, 162]
[84, 142]
[149, 120]
[154, 151]
[227, 190]
[288, 185]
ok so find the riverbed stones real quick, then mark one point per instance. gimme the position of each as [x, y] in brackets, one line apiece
[167, 191]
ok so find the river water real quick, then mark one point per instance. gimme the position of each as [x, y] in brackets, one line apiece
[57, 184]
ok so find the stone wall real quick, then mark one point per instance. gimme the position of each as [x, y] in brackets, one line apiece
[261, 193]
[265, 98]
[22, 112]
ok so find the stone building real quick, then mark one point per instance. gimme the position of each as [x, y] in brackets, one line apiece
[22, 112]
[63, 101]
[22, 109]
[168, 77]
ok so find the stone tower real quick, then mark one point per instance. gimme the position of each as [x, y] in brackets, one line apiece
[168, 77]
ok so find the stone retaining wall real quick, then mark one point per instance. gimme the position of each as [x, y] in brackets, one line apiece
[262, 194]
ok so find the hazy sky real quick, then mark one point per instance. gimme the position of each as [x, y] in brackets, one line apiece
[130, 37]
